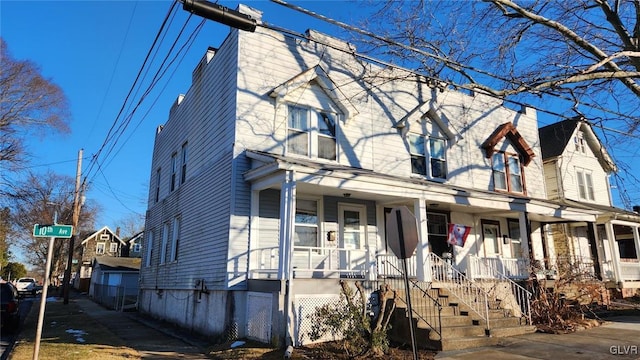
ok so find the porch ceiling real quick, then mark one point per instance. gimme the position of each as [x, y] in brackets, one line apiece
[322, 179]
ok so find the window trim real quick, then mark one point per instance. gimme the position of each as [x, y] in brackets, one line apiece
[136, 247]
[98, 246]
[580, 143]
[112, 246]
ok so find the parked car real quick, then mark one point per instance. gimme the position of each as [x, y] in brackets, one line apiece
[9, 307]
[27, 285]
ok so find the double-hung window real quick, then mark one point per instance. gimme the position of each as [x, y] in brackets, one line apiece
[157, 195]
[185, 158]
[585, 184]
[311, 133]
[149, 246]
[165, 240]
[175, 239]
[100, 248]
[507, 172]
[306, 227]
[428, 156]
[113, 247]
[174, 169]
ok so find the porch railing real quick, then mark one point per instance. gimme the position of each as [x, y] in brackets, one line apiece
[518, 300]
[470, 294]
[489, 268]
[388, 266]
[311, 262]
[630, 270]
[425, 307]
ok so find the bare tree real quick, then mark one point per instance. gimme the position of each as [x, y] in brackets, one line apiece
[35, 201]
[29, 104]
[131, 225]
[568, 58]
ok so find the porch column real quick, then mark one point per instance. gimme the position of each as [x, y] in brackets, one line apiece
[422, 251]
[615, 254]
[636, 239]
[287, 223]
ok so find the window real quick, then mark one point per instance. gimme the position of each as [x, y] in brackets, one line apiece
[113, 247]
[585, 184]
[165, 239]
[100, 248]
[136, 247]
[312, 133]
[175, 239]
[516, 240]
[174, 168]
[104, 237]
[306, 228]
[507, 172]
[185, 158]
[157, 185]
[435, 152]
[149, 248]
[580, 143]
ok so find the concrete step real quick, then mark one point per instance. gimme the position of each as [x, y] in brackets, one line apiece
[500, 332]
[455, 332]
[467, 342]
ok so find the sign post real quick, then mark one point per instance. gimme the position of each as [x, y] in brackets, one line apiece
[402, 232]
[51, 231]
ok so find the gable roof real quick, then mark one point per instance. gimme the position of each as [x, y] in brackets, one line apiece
[325, 82]
[136, 237]
[109, 263]
[100, 232]
[428, 112]
[555, 138]
[509, 131]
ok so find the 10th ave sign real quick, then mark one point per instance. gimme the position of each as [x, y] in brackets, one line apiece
[56, 231]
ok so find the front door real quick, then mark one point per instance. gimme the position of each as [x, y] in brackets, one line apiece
[353, 236]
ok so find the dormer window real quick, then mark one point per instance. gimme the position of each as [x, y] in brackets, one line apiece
[311, 133]
[507, 172]
[580, 144]
[428, 156]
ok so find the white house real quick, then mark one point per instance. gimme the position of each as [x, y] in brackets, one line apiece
[275, 172]
[577, 170]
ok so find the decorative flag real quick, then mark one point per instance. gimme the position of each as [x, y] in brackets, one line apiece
[458, 234]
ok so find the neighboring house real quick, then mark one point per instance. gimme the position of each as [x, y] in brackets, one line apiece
[274, 175]
[114, 281]
[102, 243]
[577, 169]
[135, 245]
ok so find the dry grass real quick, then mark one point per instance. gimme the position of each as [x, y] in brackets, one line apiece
[68, 333]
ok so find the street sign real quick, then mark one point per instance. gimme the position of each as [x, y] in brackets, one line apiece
[58, 231]
[402, 232]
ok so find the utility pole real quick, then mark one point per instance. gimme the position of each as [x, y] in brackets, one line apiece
[76, 216]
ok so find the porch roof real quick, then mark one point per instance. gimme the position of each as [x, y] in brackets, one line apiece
[333, 179]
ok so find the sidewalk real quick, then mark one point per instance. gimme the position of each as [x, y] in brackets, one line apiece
[153, 339]
[617, 338]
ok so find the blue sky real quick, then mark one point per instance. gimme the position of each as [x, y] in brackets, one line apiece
[93, 50]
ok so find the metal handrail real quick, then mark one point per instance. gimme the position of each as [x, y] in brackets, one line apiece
[521, 296]
[430, 308]
[473, 296]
